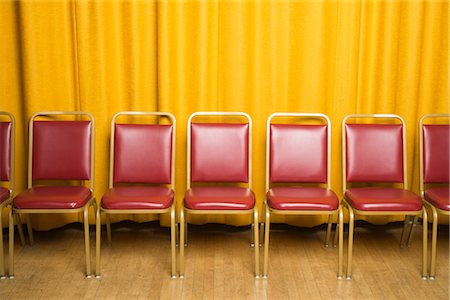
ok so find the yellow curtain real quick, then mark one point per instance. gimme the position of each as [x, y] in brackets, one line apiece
[334, 57]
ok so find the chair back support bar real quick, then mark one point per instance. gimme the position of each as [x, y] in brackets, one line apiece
[298, 152]
[374, 152]
[61, 150]
[219, 152]
[434, 140]
[7, 151]
[131, 144]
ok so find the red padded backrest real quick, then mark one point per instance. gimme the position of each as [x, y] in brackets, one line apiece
[219, 152]
[298, 153]
[61, 150]
[5, 151]
[436, 153]
[374, 153]
[142, 153]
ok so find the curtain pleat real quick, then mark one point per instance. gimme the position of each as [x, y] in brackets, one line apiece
[335, 57]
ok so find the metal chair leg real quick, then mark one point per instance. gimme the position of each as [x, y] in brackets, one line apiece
[433, 243]
[336, 235]
[30, 230]
[411, 228]
[266, 243]
[98, 241]
[16, 217]
[86, 241]
[256, 235]
[405, 229]
[182, 225]
[350, 242]
[252, 242]
[340, 227]
[108, 228]
[173, 241]
[2, 253]
[11, 244]
[327, 237]
[424, 244]
[261, 228]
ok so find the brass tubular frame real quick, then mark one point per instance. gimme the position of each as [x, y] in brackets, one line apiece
[354, 212]
[267, 210]
[184, 211]
[108, 212]
[16, 212]
[435, 211]
[8, 202]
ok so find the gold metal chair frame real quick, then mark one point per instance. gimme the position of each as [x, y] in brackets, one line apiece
[84, 209]
[108, 212]
[354, 212]
[267, 211]
[185, 211]
[435, 211]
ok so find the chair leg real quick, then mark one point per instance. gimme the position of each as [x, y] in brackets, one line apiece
[261, 228]
[256, 235]
[336, 235]
[433, 243]
[350, 241]
[177, 234]
[185, 231]
[11, 243]
[266, 243]
[108, 228]
[98, 241]
[411, 228]
[405, 229]
[182, 245]
[19, 227]
[425, 244]
[327, 237]
[340, 226]
[86, 241]
[173, 241]
[30, 230]
[2, 253]
[252, 242]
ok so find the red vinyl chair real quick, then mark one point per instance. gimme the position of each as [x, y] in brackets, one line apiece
[218, 153]
[434, 141]
[141, 175]
[298, 154]
[375, 153]
[60, 153]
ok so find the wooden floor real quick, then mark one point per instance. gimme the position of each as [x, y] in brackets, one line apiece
[219, 265]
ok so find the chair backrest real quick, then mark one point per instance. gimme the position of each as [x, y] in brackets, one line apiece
[219, 152]
[61, 149]
[142, 153]
[374, 152]
[7, 133]
[434, 140]
[298, 152]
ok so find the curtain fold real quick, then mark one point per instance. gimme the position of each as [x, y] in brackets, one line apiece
[335, 57]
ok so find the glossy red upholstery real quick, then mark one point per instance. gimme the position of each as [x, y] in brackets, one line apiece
[4, 194]
[219, 198]
[439, 197]
[138, 197]
[298, 153]
[53, 197]
[436, 154]
[61, 150]
[374, 153]
[219, 152]
[383, 199]
[142, 153]
[5, 151]
[302, 198]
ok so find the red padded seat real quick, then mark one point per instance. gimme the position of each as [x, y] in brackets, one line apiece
[53, 197]
[302, 198]
[4, 194]
[383, 199]
[138, 197]
[439, 197]
[219, 198]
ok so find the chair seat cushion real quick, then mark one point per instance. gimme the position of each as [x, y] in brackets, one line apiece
[53, 197]
[302, 198]
[383, 199]
[138, 197]
[4, 194]
[219, 198]
[439, 197]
